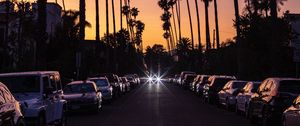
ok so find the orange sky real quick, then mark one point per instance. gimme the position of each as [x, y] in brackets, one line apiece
[150, 15]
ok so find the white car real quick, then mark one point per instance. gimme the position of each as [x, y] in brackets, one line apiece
[104, 86]
[291, 116]
[243, 98]
[40, 95]
[227, 96]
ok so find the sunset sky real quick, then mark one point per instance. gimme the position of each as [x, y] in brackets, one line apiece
[150, 15]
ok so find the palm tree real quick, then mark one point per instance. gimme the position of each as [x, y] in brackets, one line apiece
[114, 17]
[121, 16]
[82, 20]
[97, 21]
[64, 6]
[178, 17]
[198, 25]
[237, 22]
[217, 24]
[206, 4]
[174, 24]
[107, 21]
[191, 23]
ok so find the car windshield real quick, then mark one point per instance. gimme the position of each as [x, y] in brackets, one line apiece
[291, 86]
[22, 84]
[220, 82]
[101, 82]
[79, 88]
[238, 85]
[190, 78]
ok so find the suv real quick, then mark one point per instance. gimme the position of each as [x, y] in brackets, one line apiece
[11, 114]
[214, 86]
[40, 95]
[188, 79]
[273, 97]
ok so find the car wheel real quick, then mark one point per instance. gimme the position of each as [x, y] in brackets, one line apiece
[250, 114]
[237, 111]
[283, 121]
[63, 120]
[20, 122]
[41, 121]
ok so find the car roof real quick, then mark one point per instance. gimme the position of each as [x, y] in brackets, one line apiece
[28, 73]
[281, 79]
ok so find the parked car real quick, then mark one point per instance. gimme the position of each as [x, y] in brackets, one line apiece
[114, 81]
[243, 98]
[214, 86]
[131, 81]
[273, 97]
[104, 86]
[122, 85]
[195, 82]
[188, 79]
[126, 83]
[291, 116]
[83, 95]
[200, 85]
[40, 94]
[10, 112]
[175, 79]
[182, 76]
[227, 96]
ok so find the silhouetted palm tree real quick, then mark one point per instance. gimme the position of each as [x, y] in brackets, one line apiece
[206, 4]
[191, 23]
[82, 20]
[217, 24]
[174, 24]
[121, 16]
[107, 20]
[114, 16]
[198, 25]
[178, 9]
[97, 21]
[237, 21]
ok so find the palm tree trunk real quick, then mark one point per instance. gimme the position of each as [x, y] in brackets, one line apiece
[208, 44]
[178, 18]
[97, 21]
[114, 16]
[82, 20]
[191, 23]
[121, 16]
[273, 7]
[175, 28]
[217, 24]
[198, 24]
[237, 20]
[107, 21]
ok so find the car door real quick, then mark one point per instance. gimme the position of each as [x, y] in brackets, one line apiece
[48, 89]
[55, 83]
[222, 93]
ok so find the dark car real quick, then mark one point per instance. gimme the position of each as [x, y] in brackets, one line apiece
[214, 86]
[115, 82]
[227, 96]
[243, 98]
[188, 79]
[83, 95]
[182, 76]
[273, 97]
[126, 83]
[200, 85]
[10, 112]
[104, 86]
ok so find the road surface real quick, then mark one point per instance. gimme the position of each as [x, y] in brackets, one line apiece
[158, 105]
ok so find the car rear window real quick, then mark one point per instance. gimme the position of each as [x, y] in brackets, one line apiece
[101, 82]
[291, 86]
[79, 88]
[220, 82]
[238, 85]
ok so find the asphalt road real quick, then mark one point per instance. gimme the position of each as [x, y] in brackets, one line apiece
[158, 105]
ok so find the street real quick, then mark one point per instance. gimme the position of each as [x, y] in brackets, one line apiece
[158, 105]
